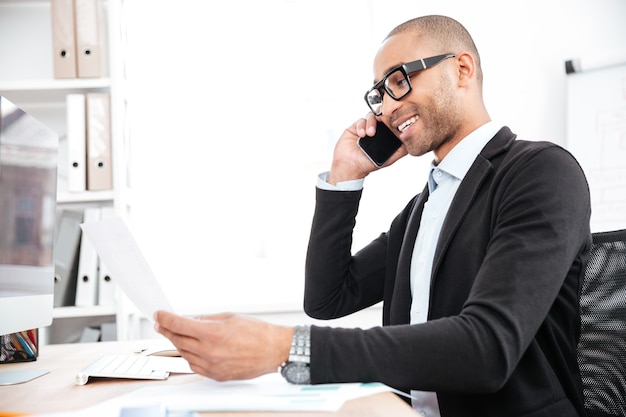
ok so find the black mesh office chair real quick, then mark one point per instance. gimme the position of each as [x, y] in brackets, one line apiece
[602, 347]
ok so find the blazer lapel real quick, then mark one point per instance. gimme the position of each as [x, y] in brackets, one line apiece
[467, 191]
[459, 207]
[400, 313]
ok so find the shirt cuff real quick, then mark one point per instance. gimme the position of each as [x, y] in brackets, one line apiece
[352, 185]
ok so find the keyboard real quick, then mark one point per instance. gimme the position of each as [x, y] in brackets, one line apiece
[121, 366]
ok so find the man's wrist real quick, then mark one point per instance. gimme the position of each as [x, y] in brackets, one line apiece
[296, 369]
[350, 185]
[343, 173]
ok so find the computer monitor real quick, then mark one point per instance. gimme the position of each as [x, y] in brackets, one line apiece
[28, 181]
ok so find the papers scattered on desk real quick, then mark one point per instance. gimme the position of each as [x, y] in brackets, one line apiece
[268, 393]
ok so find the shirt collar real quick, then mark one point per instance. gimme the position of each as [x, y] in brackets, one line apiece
[459, 160]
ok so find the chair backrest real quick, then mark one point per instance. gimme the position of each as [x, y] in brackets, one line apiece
[602, 346]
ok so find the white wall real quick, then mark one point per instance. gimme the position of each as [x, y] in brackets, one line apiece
[235, 108]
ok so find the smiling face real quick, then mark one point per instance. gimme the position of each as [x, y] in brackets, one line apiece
[446, 101]
[431, 115]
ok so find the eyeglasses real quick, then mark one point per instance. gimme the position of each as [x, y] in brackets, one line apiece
[397, 82]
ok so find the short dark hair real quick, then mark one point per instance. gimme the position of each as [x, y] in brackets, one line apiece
[443, 34]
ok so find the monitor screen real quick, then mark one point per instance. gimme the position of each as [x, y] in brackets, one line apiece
[28, 180]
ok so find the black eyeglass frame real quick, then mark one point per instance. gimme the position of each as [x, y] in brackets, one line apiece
[407, 69]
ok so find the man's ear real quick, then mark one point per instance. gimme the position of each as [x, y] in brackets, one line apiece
[466, 67]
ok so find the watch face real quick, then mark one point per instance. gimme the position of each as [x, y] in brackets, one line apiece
[297, 373]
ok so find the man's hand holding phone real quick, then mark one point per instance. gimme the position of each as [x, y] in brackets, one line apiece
[357, 153]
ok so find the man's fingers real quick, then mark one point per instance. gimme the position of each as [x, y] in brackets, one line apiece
[175, 324]
[219, 316]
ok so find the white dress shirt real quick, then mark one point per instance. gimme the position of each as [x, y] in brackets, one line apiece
[443, 182]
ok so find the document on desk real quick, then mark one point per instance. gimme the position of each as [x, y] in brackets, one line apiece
[268, 393]
[118, 249]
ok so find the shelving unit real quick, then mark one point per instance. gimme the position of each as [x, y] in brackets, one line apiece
[74, 312]
[27, 79]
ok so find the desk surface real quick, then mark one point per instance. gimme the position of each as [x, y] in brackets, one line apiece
[56, 390]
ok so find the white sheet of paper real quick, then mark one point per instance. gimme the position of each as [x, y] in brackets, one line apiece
[118, 249]
[175, 365]
[269, 393]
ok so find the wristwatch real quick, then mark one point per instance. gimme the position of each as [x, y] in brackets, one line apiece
[297, 369]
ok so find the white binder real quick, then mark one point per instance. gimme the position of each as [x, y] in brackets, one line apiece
[76, 143]
[87, 279]
[106, 284]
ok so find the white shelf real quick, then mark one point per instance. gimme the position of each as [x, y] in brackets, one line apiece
[77, 312]
[55, 84]
[53, 90]
[85, 197]
[20, 2]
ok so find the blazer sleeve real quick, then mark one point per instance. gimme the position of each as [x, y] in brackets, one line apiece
[337, 283]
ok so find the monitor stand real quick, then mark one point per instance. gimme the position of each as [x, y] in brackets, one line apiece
[19, 377]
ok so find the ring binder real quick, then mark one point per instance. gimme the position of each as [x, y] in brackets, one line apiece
[88, 42]
[63, 40]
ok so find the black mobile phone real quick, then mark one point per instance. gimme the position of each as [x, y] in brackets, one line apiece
[381, 146]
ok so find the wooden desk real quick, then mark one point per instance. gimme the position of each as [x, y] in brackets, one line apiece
[56, 390]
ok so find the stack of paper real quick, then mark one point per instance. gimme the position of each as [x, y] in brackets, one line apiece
[269, 393]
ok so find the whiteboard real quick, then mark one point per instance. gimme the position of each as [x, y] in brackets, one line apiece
[596, 135]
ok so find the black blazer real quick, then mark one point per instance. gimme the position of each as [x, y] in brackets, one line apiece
[503, 317]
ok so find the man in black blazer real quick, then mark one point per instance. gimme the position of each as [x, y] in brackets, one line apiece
[479, 274]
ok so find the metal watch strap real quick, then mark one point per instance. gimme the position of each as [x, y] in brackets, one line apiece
[301, 345]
